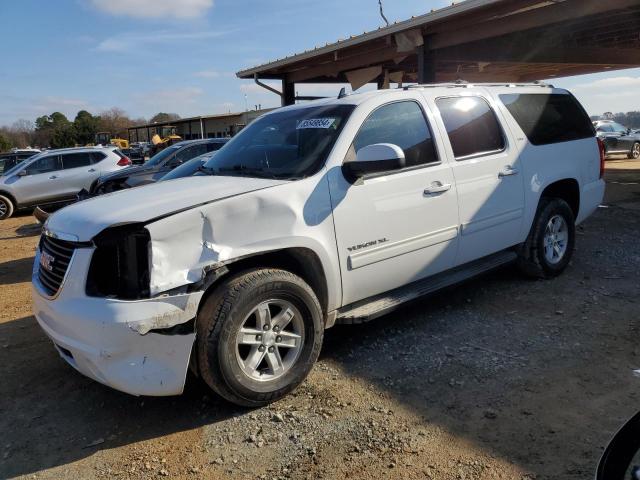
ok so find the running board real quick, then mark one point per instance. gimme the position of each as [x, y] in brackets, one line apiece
[374, 307]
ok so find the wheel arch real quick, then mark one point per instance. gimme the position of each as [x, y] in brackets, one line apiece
[567, 189]
[10, 197]
[300, 261]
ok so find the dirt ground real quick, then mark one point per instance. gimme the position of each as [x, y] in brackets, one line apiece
[501, 377]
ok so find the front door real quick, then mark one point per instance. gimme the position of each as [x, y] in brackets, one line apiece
[398, 227]
[41, 182]
[487, 173]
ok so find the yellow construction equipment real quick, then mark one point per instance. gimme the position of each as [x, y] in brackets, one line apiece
[105, 138]
[163, 137]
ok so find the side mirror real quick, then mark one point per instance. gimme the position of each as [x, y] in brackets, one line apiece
[376, 158]
[22, 173]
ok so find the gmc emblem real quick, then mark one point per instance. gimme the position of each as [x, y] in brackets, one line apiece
[46, 261]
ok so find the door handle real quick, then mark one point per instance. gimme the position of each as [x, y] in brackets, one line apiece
[507, 172]
[53, 177]
[437, 187]
[92, 169]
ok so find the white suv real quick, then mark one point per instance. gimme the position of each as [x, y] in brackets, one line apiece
[338, 210]
[56, 176]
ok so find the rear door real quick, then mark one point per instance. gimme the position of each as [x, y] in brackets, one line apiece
[487, 173]
[78, 172]
[41, 182]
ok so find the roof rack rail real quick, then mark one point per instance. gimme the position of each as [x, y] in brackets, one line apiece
[465, 84]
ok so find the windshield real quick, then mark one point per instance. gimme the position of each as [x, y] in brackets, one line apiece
[21, 164]
[160, 157]
[189, 168]
[289, 144]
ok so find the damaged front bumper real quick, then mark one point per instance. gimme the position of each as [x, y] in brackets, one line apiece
[132, 346]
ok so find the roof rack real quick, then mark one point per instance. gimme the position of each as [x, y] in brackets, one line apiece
[465, 84]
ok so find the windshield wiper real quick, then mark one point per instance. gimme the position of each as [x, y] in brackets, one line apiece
[249, 171]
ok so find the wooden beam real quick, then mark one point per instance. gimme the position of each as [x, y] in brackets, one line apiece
[544, 16]
[350, 63]
[531, 53]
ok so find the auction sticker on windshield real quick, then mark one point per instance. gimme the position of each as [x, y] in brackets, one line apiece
[316, 123]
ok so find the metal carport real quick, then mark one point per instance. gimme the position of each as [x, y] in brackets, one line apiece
[476, 41]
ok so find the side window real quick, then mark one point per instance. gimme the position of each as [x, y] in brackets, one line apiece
[212, 147]
[76, 160]
[605, 128]
[44, 165]
[549, 118]
[404, 125]
[97, 157]
[472, 126]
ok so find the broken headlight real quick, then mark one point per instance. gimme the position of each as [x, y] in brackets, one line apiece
[120, 263]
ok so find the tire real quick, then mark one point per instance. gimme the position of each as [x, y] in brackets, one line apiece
[536, 257]
[226, 363]
[6, 207]
[634, 154]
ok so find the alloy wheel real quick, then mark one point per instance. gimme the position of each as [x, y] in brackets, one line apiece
[556, 239]
[270, 340]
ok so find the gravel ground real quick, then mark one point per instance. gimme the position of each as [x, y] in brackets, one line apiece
[501, 377]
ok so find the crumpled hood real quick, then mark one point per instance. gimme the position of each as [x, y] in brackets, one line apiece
[86, 219]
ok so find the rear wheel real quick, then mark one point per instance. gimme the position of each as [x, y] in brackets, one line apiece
[259, 335]
[6, 207]
[635, 151]
[549, 246]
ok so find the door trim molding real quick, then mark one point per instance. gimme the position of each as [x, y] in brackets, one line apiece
[395, 249]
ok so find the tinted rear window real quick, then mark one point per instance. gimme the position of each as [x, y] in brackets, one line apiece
[472, 126]
[549, 118]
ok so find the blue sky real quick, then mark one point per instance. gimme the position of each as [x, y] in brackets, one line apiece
[146, 56]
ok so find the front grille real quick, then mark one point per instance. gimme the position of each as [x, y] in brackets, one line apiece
[55, 256]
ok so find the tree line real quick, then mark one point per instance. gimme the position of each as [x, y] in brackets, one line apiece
[57, 131]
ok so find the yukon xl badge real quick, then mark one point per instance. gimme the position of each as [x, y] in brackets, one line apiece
[46, 261]
[360, 246]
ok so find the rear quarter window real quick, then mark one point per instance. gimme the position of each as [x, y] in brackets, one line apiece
[549, 118]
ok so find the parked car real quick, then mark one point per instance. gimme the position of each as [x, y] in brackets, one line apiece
[188, 168]
[333, 211]
[11, 159]
[135, 155]
[618, 139]
[157, 167]
[55, 176]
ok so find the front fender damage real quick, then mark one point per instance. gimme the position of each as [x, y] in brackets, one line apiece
[166, 311]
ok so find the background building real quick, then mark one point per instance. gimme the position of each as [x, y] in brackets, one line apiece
[210, 126]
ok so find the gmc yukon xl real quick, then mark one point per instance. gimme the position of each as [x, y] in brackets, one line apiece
[333, 211]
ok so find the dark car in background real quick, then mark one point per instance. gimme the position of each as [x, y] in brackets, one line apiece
[189, 168]
[618, 139]
[135, 155]
[157, 167]
[11, 159]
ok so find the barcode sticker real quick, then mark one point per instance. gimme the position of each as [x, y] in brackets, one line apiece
[316, 123]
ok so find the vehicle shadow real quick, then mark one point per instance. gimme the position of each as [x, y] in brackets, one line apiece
[16, 271]
[88, 416]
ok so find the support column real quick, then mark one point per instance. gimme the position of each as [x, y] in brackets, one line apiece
[288, 93]
[426, 65]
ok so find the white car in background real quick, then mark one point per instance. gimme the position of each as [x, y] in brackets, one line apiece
[56, 176]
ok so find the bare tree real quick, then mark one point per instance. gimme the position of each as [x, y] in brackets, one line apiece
[115, 121]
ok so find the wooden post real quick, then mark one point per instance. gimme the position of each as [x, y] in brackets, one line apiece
[288, 93]
[426, 65]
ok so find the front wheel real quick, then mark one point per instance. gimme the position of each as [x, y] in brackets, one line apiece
[259, 334]
[635, 151]
[549, 246]
[6, 207]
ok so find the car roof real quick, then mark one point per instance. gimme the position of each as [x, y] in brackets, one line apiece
[80, 149]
